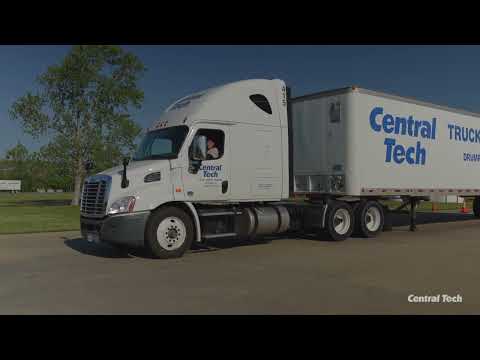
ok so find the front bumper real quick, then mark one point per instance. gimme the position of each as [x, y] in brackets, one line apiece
[122, 229]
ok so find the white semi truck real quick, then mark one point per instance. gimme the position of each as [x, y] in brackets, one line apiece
[343, 150]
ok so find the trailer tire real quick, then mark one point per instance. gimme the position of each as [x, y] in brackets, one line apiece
[369, 219]
[339, 221]
[476, 207]
[169, 233]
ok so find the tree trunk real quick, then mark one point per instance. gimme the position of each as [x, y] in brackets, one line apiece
[78, 179]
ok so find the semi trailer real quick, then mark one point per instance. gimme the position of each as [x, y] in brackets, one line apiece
[340, 151]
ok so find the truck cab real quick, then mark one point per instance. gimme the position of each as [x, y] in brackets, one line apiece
[208, 156]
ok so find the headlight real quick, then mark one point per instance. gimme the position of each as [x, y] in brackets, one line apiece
[122, 205]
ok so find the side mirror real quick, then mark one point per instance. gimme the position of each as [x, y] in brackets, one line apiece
[199, 148]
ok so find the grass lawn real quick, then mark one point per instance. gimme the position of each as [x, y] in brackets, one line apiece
[37, 212]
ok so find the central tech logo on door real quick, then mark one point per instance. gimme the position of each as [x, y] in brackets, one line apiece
[211, 172]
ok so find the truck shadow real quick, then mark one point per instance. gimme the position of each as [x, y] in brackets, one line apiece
[107, 251]
[403, 219]
[228, 243]
[101, 250]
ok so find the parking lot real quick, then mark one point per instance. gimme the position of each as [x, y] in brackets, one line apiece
[59, 273]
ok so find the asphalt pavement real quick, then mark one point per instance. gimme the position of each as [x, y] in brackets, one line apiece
[60, 273]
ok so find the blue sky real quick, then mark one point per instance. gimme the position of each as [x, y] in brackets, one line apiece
[448, 75]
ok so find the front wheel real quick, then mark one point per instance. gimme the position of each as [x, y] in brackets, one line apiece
[339, 220]
[169, 233]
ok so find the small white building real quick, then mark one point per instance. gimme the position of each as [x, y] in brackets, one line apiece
[10, 185]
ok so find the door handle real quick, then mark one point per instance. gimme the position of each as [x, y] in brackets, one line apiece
[224, 186]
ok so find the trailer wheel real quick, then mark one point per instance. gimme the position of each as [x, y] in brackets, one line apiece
[369, 219]
[169, 233]
[339, 220]
[476, 207]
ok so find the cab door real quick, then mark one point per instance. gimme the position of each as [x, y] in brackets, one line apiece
[209, 180]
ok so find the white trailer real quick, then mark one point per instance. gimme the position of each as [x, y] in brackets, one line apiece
[380, 144]
[342, 150]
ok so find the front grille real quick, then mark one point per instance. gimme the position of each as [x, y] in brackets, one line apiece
[94, 197]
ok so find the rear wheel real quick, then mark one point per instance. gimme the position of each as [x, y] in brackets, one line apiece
[339, 221]
[369, 219]
[169, 233]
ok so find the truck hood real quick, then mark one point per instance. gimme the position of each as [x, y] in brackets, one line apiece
[136, 172]
[137, 168]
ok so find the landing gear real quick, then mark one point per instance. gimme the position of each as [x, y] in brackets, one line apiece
[413, 201]
[413, 213]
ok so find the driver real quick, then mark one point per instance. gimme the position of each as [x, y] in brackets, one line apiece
[212, 152]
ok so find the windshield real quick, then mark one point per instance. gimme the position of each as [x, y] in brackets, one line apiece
[161, 144]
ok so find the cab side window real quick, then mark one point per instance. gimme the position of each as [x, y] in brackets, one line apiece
[215, 143]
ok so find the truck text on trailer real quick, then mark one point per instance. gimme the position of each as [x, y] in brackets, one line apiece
[344, 150]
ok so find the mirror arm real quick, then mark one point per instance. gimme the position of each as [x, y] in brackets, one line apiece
[125, 181]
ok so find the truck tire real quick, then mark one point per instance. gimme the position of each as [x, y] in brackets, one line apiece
[339, 220]
[169, 233]
[476, 207]
[369, 219]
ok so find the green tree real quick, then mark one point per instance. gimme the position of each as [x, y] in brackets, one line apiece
[83, 103]
[18, 153]
[51, 168]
